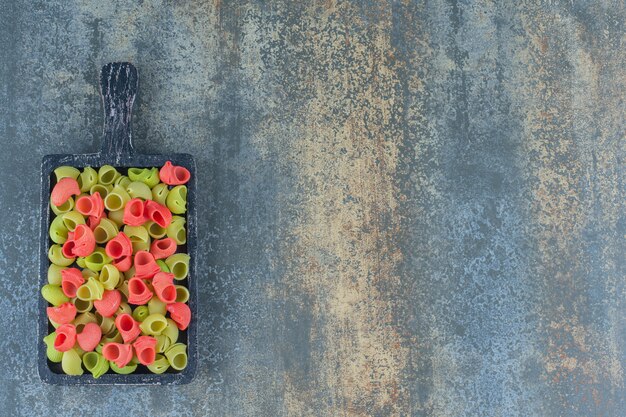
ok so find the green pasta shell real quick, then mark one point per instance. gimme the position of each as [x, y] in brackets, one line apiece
[154, 324]
[176, 355]
[116, 199]
[159, 365]
[176, 230]
[107, 324]
[138, 189]
[54, 274]
[109, 277]
[176, 199]
[58, 231]
[63, 208]
[182, 294]
[162, 265]
[124, 308]
[52, 354]
[95, 363]
[159, 193]
[91, 290]
[140, 313]
[72, 363]
[82, 306]
[101, 189]
[55, 255]
[122, 181]
[84, 318]
[171, 331]
[87, 179]
[156, 306]
[105, 231]
[54, 295]
[107, 174]
[139, 237]
[89, 273]
[80, 261]
[163, 343]
[154, 230]
[150, 177]
[128, 369]
[97, 259]
[66, 172]
[117, 217]
[71, 219]
[178, 264]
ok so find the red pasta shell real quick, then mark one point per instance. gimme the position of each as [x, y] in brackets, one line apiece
[145, 265]
[109, 303]
[159, 214]
[163, 248]
[174, 174]
[164, 287]
[128, 327]
[145, 348]
[138, 292]
[63, 190]
[66, 337]
[134, 213]
[71, 279]
[180, 313]
[118, 247]
[89, 338]
[84, 241]
[119, 353]
[123, 264]
[62, 314]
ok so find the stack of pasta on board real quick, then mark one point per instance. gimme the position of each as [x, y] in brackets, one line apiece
[116, 273]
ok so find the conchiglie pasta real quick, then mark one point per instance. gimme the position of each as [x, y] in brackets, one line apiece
[55, 255]
[71, 219]
[87, 179]
[182, 294]
[128, 369]
[72, 363]
[138, 189]
[159, 193]
[154, 230]
[54, 274]
[176, 230]
[124, 308]
[163, 342]
[153, 325]
[140, 313]
[105, 231]
[176, 199]
[91, 290]
[58, 231]
[176, 355]
[159, 365]
[54, 294]
[84, 318]
[156, 306]
[117, 217]
[109, 277]
[101, 189]
[171, 330]
[82, 306]
[97, 259]
[63, 208]
[116, 199]
[139, 237]
[107, 324]
[107, 174]
[95, 363]
[52, 354]
[66, 172]
[178, 264]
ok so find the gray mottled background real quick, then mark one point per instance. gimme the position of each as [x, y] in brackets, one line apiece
[407, 208]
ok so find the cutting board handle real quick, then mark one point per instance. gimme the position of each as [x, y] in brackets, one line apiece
[118, 86]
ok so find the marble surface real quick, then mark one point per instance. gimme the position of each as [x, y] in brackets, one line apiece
[406, 208]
